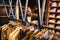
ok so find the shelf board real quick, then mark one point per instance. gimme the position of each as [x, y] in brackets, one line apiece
[3, 16]
[55, 6]
[55, 12]
[57, 23]
[52, 17]
[57, 18]
[51, 27]
[52, 23]
[55, 0]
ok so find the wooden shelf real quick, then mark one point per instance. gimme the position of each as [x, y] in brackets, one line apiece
[55, 12]
[57, 23]
[51, 27]
[52, 17]
[55, 0]
[54, 23]
[3, 16]
[51, 23]
[57, 18]
[55, 6]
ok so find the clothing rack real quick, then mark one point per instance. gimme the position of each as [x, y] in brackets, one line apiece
[26, 32]
[40, 27]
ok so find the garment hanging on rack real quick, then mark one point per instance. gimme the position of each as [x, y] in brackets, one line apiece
[4, 37]
[17, 32]
[6, 30]
[14, 34]
[32, 35]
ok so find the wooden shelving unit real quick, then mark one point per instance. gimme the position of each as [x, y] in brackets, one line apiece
[56, 13]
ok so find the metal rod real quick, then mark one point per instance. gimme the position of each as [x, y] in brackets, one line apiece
[10, 2]
[5, 9]
[39, 12]
[26, 6]
[43, 9]
[21, 10]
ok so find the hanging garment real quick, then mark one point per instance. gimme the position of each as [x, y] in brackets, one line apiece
[15, 35]
[11, 28]
[22, 33]
[32, 35]
[40, 33]
[4, 32]
[28, 35]
[45, 35]
[56, 36]
[11, 34]
[50, 37]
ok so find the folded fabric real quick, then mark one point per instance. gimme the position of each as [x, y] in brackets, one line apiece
[52, 15]
[35, 21]
[52, 20]
[51, 25]
[54, 4]
[58, 16]
[58, 27]
[29, 19]
[58, 10]
[53, 10]
[58, 21]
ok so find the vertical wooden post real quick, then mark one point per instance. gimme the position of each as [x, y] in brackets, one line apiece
[17, 11]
